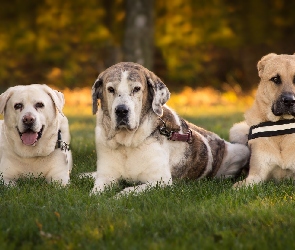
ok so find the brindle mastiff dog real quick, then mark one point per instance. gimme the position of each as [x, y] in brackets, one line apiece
[270, 126]
[138, 138]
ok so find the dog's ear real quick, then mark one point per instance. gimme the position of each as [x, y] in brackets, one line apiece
[57, 98]
[4, 97]
[159, 91]
[97, 92]
[261, 64]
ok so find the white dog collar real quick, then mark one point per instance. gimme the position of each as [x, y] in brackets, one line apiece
[268, 129]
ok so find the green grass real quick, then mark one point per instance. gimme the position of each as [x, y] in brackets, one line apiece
[206, 214]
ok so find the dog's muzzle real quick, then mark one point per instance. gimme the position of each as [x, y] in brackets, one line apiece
[122, 116]
[28, 135]
[285, 105]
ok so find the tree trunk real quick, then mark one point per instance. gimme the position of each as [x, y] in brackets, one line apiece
[139, 32]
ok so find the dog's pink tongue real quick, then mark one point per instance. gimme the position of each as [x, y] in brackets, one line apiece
[29, 138]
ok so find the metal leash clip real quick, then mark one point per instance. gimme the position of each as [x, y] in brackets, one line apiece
[164, 131]
[61, 144]
[175, 136]
[64, 146]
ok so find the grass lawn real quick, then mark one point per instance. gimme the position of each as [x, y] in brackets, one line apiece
[206, 214]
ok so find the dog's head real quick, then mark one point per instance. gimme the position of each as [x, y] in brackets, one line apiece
[277, 73]
[127, 91]
[29, 111]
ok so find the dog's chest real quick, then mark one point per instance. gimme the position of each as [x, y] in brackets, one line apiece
[286, 148]
[134, 162]
[279, 149]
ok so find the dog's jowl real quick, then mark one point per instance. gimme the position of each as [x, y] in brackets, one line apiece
[139, 138]
[34, 138]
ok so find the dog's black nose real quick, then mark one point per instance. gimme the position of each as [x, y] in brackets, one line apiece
[121, 111]
[28, 119]
[288, 99]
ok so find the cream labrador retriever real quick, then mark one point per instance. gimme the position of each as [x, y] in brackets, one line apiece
[139, 138]
[269, 126]
[34, 138]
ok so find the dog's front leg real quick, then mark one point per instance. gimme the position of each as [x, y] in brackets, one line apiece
[9, 182]
[145, 186]
[102, 182]
[153, 179]
[261, 166]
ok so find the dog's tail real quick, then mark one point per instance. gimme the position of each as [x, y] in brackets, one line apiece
[239, 133]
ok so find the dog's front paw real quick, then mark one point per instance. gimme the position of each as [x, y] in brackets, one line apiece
[87, 175]
[10, 183]
[97, 191]
[248, 182]
[125, 192]
[239, 184]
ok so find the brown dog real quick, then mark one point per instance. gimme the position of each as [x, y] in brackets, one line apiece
[269, 126]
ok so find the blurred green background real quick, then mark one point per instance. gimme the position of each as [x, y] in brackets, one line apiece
[192, 43]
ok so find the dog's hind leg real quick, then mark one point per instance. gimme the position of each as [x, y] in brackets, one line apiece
[239, 133]
[235, 158]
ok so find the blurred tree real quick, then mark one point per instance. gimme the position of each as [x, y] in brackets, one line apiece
[114, 21]
[189, 34]
[138, 38]
[186, 42]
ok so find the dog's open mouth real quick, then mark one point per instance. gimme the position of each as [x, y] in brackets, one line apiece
[30, 137]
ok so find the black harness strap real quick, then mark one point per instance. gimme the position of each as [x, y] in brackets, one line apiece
[269, 129]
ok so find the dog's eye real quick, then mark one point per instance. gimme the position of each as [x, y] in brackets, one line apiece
[136, 89]
[111, 90]
[276, 79]
[39, 105]
[18, 106]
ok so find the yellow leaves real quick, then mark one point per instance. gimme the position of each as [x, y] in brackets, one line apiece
[288, 198]
[54, 74]
[111, 228]
[26, 39]
[224, 33]
[3, 45]
[44, 234]
[78, 101]
[39, 225]
[78, 97]
[95, 234]
[191, 101]
[195, 97]
[229, 97]
[101, 32]
[57, 214]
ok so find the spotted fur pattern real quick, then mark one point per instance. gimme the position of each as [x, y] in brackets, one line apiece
[137, 151]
